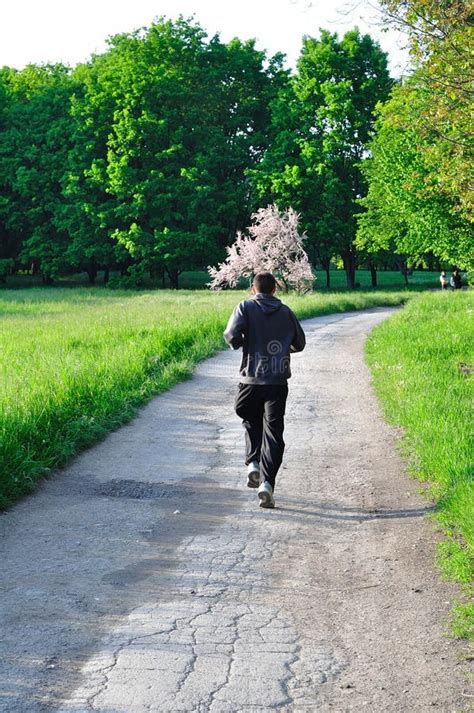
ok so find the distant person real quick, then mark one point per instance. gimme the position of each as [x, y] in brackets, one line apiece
[267, 330]
[444, 281]
[456, 281]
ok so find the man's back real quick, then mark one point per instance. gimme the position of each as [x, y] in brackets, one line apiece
[268, 331]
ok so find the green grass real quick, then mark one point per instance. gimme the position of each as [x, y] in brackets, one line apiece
[76, 363]
[387, 280]
[420, 361]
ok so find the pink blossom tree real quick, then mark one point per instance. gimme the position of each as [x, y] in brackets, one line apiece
[273, 244]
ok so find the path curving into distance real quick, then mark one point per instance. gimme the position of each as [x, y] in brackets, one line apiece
[144, 577]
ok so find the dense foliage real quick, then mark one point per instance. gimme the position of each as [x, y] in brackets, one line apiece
[322, 122]
[35, 141]
[406, 212]
[420, 176]
[442, 47]
[150, 158]
[136, 159]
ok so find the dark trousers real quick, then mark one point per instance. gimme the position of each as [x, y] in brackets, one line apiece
[262, 409]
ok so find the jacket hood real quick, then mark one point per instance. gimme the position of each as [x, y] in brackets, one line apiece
[267, 303]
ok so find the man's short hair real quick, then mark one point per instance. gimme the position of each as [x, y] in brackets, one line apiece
[264, 282]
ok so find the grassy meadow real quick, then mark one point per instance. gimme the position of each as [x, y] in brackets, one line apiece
[422, 363]
[387, 280]
[76, 363]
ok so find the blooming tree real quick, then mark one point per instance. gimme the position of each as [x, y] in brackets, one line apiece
[274, 245]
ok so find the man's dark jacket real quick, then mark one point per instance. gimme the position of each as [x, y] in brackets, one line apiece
[267, 330]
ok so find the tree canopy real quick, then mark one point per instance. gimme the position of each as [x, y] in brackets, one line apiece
[153, 155]
[420, 198]
[405, 211]
[139, 156]
[442, 47]
[322, 122]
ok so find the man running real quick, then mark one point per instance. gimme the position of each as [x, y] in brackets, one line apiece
[267, 330]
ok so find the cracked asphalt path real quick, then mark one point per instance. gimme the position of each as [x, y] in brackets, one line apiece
[144, 577]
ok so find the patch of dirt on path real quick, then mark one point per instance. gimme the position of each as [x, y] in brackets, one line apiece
[144, 577]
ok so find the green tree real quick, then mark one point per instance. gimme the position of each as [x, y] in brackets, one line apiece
[10, 242]
[33, 150]
[442, 47]
[138, 158]
[322, 124]
[88, 211]
[405, 211]
[189, 118]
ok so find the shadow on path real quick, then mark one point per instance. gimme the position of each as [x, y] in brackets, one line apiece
[338, 512]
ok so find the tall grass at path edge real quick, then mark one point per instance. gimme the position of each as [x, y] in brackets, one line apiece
[422, 361]
[76, 363]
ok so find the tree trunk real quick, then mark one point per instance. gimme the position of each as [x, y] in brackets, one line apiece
[404, 272]
[91, 274]
[106, 275]
[349, 260]
[373, 275]
[173, 274]
[325, 264]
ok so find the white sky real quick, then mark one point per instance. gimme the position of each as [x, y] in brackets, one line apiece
[63, 31]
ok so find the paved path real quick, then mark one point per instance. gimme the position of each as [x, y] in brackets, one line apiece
[145, 578]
